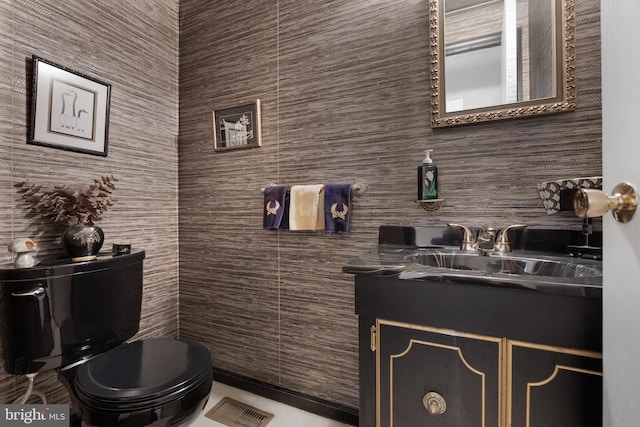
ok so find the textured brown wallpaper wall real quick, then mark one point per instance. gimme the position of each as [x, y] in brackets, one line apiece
[345, 92]
[134, 47]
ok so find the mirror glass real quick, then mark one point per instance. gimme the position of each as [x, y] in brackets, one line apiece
[497, 59]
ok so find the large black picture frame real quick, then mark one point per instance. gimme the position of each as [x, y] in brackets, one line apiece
[69, 110]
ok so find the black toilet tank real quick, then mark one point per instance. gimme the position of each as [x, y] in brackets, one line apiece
[58, 312]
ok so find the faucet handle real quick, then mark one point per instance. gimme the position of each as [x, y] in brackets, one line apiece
[502, 241]
[467, 238]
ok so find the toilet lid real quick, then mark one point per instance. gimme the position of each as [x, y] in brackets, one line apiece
[143, 370]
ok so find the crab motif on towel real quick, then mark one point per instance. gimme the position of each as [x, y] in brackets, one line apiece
[274, 210]
[342, 214]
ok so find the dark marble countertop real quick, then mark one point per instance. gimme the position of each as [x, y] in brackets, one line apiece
[544, 270]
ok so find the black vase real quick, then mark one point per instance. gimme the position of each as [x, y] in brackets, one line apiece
[83, 242]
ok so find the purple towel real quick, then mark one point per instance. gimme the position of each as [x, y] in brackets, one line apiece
[284, 225]
[337, 208]
[274, 206]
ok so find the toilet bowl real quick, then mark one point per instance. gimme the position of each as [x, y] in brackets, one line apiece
[80, 316]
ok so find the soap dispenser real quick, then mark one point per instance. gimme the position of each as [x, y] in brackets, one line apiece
[427, 178]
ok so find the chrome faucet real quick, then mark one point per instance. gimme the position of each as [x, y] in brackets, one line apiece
[487, 241]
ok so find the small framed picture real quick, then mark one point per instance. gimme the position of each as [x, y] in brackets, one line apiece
[237, 127]
[69, 110]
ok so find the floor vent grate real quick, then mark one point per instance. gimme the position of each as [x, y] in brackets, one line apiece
[237, 414]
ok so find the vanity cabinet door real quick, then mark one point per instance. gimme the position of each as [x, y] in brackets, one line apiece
[553, 386]
[456, 375]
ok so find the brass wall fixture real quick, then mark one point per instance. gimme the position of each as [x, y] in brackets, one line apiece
[434, 403]
[431, 205]
[622, 203]
[359, 188]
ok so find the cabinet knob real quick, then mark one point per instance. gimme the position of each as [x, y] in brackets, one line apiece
[434, 403]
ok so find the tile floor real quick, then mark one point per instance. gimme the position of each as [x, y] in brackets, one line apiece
[284, 415]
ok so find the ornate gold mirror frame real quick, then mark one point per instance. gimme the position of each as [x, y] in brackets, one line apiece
[565, 99]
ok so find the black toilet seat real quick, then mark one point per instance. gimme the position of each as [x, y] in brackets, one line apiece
[142, 374]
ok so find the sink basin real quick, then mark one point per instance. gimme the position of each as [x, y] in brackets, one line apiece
[521, 269]
[529, 265]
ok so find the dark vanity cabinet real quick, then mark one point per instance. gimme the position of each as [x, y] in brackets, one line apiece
[443, 354]
[427, 375]
[553, 387]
